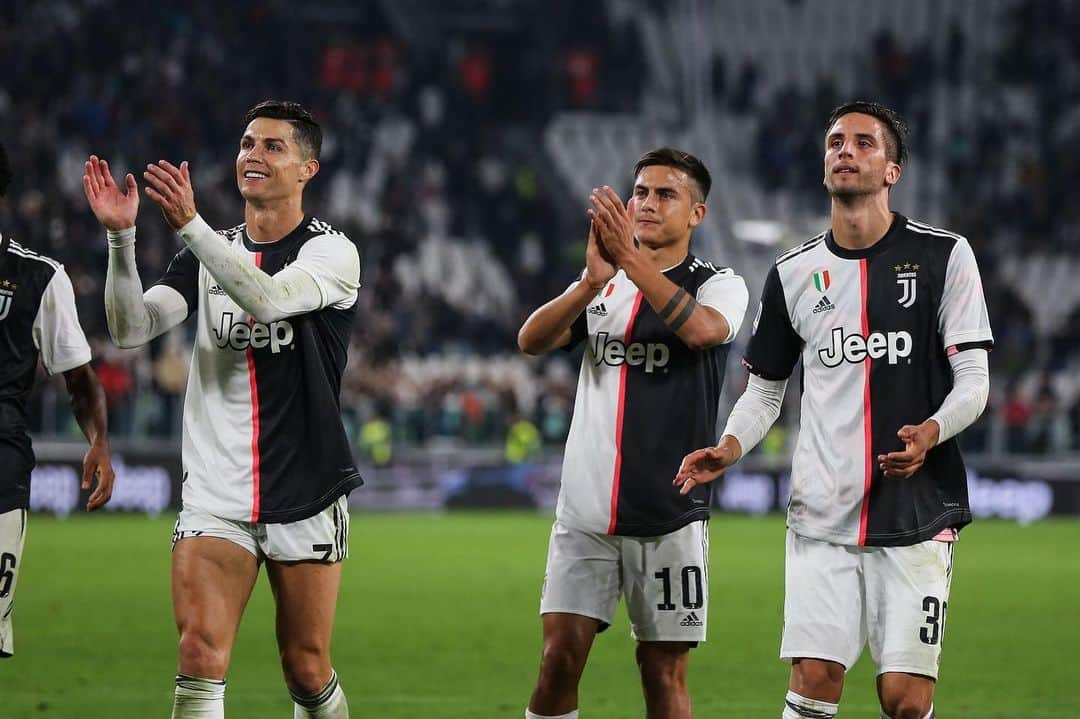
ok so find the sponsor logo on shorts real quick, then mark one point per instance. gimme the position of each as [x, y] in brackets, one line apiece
[691, 620]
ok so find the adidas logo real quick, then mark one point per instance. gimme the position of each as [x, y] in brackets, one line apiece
[215, 290]
[599, 310]
[691, 620]
[824, 305]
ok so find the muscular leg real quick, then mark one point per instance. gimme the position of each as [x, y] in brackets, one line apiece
[306, 596]
[212, 580]
[814, 689]
[663, 679]
[567, 641]
[905, 696]
[817, 679]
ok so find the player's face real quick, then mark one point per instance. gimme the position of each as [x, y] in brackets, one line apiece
[663, 207]
[271, 165]
[855, 157]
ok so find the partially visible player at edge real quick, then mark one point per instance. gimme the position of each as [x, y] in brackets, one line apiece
[889, 318]
[38, 316]
[656, 321]
[267, 465]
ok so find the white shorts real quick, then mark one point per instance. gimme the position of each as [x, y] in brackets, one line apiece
[665, 580]
[837, 598]
[12, 536]
[323, 537]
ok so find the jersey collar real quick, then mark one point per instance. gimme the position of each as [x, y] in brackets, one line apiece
[898, 223]
[298, 231]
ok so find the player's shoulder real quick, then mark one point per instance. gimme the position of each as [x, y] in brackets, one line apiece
[801, 250]
[234, 234]
[30, 261]
[319, 228]
[937, 235]
[702, 270]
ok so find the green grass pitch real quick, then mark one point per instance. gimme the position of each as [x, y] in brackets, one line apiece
[437, 618]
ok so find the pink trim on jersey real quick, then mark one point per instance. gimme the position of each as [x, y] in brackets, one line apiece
[619, 419]
[255, 459]
[867, 420]
[951, 350]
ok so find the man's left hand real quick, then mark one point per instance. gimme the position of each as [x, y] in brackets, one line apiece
[918, 440]
[613, 224]
[170, 187]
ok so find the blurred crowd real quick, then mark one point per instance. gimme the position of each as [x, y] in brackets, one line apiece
[433, 163]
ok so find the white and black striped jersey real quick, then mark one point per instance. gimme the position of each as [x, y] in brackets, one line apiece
[263, 439]
[874, 329]
[644, 400]
[37, 317]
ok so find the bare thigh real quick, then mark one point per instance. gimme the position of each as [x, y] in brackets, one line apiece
[212, 580]
[305, 594]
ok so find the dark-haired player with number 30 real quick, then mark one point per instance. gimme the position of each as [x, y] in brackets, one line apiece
[267, 465]
[888, 317]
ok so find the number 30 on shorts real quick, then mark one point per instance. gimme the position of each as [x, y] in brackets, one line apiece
[693, 593]
[935, 620]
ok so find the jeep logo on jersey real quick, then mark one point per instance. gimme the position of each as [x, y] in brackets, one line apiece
[614, 353]
[240, 335]
[856, 348]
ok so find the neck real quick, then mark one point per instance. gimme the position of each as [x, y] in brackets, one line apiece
[858, 223]
[271, 222]
[666, 256]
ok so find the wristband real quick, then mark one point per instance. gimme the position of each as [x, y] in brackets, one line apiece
[121, 238]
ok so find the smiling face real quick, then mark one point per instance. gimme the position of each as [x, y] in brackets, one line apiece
[857, 157]
[271, 164]
[665, 207]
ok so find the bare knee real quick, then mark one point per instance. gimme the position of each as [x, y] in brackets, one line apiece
[906, 708]
[561, 665]
[905, 696]
[200, 656]
[306, 669]
[818, 679]
[663, 668]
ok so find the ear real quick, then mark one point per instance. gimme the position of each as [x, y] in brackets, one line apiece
[308, 170]
[892, 173]
[697, 214]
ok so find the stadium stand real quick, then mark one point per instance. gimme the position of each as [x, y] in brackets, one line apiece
[461, 145]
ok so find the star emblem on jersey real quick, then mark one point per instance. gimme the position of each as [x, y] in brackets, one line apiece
[823, 305]
[907, 276]
[821, 279]
[599, 310]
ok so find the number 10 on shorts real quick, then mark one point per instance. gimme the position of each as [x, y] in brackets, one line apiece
[693, 594]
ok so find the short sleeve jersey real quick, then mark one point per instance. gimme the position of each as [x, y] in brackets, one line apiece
[644, 399]
[874, 329]
[263, 439]
[37, 319]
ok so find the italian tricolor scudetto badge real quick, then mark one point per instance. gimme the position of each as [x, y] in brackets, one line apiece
[821, 280]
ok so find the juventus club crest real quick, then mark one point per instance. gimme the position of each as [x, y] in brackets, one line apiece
[907, 276]
[7, 292]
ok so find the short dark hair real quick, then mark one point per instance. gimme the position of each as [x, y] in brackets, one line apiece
[670, 157]
[5, 171]
[306, 132]
[896, 129]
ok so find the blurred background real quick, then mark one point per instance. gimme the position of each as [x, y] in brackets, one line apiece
[462, 138]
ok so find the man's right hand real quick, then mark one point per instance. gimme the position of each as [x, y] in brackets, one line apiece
[115, 208]
[599, 267]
